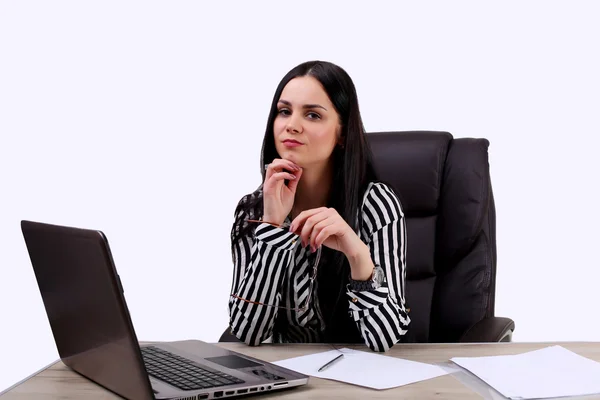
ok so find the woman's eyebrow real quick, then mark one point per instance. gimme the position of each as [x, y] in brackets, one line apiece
[287, 103]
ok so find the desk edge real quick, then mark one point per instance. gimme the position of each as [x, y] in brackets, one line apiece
[8, 389]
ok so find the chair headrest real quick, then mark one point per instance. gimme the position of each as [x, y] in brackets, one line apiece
[412, 162]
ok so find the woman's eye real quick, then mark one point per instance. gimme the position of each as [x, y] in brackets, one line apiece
[313, 115]
[284, 111]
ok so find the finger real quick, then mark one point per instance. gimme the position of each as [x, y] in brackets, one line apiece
[316, 237]
[294, 183]
[307, 229]
[277, 178]
[281, 176]
[278, 165]
[298, 222]
[325, 233]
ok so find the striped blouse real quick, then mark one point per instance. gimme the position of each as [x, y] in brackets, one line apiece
[271, 267]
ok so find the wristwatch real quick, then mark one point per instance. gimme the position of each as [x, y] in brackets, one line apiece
[372, 283]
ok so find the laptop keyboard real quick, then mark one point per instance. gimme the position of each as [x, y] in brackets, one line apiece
[181, 372]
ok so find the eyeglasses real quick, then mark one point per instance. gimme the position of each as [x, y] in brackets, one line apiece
[312, 277]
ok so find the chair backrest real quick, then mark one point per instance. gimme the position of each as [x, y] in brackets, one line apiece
[445, 188]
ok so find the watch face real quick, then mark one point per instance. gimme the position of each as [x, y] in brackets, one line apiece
[378, 276]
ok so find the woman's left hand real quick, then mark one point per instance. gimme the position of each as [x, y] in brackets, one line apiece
[324, 226]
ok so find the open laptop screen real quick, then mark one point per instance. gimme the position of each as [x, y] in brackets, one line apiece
[83, 298]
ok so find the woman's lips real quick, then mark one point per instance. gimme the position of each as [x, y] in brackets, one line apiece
[291, 143]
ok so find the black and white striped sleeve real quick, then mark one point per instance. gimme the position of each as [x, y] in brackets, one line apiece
[380, 314]
[260, 262]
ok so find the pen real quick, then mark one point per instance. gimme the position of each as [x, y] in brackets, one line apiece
[330, 362]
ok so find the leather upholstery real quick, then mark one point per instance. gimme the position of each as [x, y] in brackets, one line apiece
[445, 188]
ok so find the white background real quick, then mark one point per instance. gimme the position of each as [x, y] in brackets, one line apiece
[145, 120]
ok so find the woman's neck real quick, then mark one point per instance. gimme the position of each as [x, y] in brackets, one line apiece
[313, 188]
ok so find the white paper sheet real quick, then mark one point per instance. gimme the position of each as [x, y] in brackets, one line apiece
[363, 368]
[549, 372]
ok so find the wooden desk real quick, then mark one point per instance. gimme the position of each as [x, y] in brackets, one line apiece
[58, 382]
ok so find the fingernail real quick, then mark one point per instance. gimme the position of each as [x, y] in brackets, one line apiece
[293, 176]
[312, 248]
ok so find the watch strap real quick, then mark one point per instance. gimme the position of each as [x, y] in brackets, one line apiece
[374, 282]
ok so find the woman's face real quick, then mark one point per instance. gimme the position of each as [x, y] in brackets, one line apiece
[306, 128]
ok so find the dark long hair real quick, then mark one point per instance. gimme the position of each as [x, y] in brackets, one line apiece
[352, 172]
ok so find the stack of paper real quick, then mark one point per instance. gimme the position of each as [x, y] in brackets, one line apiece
[550, 372]
[363, 368]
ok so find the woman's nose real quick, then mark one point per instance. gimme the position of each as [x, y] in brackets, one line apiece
[294, 128]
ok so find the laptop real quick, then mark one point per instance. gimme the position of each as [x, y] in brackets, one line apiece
[84, 300]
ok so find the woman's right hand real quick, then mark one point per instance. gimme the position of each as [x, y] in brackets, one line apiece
[278, 197]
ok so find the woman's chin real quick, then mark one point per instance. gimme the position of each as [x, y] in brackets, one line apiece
[290, 156]
[293, 156]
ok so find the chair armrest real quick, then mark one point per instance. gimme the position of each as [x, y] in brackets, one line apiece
[227, 336]
[493, 329]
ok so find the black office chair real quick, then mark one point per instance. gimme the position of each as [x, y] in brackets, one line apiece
[445, 188]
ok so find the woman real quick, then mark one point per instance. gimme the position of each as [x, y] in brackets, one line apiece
[319, 205]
